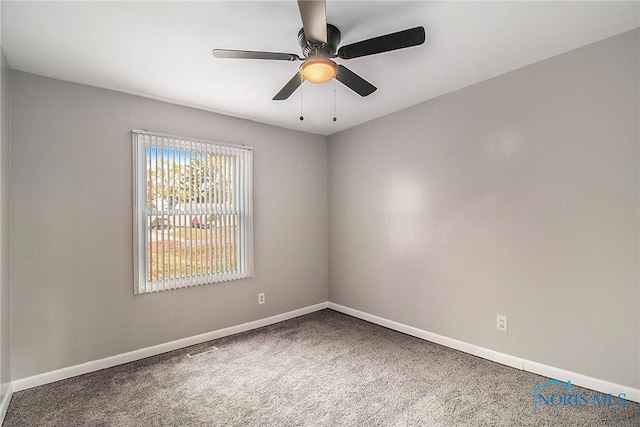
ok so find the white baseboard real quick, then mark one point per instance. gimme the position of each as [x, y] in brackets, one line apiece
[596, 384]
[4, 405]
[632, 394]
[119, 359]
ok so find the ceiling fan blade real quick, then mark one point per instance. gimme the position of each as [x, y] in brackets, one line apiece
[400, 40]
[314, 20]
[289, 88]
[354, 81]
[250, 54]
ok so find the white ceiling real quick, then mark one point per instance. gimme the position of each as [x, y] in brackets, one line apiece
[162, 50]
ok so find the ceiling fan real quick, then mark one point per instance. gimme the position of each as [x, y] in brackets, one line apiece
[319, 42]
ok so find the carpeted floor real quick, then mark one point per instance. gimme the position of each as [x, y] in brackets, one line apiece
[321, 369]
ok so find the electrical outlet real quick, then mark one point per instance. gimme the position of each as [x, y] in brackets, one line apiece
[261, 298]
[501, 323]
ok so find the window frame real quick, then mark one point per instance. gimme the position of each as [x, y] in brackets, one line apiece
[242, 199]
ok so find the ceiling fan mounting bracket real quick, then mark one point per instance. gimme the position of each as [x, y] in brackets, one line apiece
[325, 50]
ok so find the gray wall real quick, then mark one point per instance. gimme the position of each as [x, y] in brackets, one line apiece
[71, 226]
[515, 196]
[5, 377]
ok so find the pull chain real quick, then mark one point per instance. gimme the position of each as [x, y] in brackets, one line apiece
[334, 102]
[301, 116]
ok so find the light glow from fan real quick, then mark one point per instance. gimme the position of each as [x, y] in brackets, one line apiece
[319, 71]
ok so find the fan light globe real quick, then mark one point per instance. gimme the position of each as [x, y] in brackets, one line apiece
[319, 71]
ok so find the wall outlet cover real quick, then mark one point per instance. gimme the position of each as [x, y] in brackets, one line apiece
[501, 324]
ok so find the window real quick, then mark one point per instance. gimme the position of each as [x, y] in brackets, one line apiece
[192, 203]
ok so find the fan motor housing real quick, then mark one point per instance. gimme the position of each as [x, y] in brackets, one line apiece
[327, 49]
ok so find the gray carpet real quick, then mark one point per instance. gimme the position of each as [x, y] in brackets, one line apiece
[321, 369]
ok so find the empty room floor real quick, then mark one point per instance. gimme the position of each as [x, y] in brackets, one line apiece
[320, 369]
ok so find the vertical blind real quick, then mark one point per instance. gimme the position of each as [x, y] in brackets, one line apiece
[192, 212]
